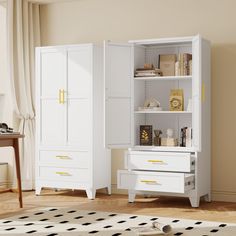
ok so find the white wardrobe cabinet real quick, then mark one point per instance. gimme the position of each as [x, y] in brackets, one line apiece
[70, 144]
[162, 170]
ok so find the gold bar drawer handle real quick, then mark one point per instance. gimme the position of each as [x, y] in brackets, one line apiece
[149, 181]
[61, 173]
[63, 157]
[156, 161]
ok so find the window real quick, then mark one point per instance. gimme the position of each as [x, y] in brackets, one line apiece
[6, 106]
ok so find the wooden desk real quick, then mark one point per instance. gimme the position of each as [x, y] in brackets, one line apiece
[11, 140]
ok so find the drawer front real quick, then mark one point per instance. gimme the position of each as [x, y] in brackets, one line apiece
[64, 174]
[155, 181]
[160, 161]
[64, 159]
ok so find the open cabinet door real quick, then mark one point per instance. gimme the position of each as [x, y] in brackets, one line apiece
[118, 96]
[197, 90]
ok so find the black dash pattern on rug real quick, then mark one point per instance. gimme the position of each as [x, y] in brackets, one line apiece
[31, 232]
[96, 223]
[93, 232]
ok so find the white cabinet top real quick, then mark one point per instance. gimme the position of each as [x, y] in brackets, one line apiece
[166, 41]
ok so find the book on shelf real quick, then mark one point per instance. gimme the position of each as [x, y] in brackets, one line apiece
[186, 58]
[183, 66]
[189, 137]
[186, 137]
[167, 64]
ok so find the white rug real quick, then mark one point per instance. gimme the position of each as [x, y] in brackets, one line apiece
[64, 221]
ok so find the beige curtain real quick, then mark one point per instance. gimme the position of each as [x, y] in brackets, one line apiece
[23, 37]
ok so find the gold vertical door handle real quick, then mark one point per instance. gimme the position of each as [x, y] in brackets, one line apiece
[60, 97]
[63, 96]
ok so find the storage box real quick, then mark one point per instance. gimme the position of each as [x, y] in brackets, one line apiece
[171, 142]
[3, 175]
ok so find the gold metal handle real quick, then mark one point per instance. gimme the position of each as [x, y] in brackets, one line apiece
[61, 96]
[149, 181]
[63, 173]
[63, 157]
[155, 161]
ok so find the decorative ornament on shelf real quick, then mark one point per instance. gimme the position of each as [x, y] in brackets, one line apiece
[176, 100]
[151, 104]
[169, 140]
[146, 135]
[157, 138]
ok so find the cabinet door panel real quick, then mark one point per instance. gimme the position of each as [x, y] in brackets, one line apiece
[79, 123]
[118, 71]
[79, 72]
[118, 123]
[118, 77]
[52, 127]
[53, 68]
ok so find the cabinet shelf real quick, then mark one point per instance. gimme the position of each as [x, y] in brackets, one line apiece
[163, 112]
[163, 148]
[162, 78]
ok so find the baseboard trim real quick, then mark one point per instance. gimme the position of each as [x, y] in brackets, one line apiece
[115, 190]
[223, 196]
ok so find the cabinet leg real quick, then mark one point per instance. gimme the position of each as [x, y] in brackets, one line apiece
[109, 190]
[132, 195]
[194, 201]
[207, 197]
[91, 193]
[38, 190]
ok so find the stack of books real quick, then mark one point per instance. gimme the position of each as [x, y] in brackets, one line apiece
[143, 72]
[186, 137]
[183, 65]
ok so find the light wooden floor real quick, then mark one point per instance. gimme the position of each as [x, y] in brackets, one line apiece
[163, 206]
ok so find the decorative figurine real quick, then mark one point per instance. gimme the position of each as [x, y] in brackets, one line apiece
[169, 141]
[176, 100]
[151, 104]
[170, 133]
[157, 138]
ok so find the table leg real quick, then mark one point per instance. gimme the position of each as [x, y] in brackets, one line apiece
[18, 175]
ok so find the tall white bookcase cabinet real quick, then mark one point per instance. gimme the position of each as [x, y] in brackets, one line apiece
[162, 170]
[70, 142]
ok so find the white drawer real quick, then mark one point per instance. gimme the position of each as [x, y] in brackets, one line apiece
[155, 181]
[64, 174]
[64, 159]
[160, 161]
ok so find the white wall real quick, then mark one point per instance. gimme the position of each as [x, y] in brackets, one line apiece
[120, 20]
